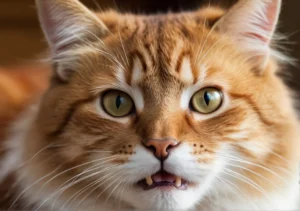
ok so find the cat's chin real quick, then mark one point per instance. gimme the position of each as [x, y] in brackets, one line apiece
[163, 197]
[164, 191]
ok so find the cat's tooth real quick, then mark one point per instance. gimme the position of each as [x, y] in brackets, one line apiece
[178, 182]
[149, 180]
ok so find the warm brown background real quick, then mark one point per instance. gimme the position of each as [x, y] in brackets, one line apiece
[21, 39]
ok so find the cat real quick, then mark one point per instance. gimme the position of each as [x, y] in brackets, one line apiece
[176, 111]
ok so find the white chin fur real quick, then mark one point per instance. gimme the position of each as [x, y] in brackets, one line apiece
[180, 163]
[161, 200]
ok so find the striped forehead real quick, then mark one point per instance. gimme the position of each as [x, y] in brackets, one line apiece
[145, 66]
[180, 65]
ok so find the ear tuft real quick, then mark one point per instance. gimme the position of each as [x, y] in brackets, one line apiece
[66, 25]
[252, 24]
[66, 22]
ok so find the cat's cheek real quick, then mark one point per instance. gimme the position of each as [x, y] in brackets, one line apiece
[140, 165]
[184, 163]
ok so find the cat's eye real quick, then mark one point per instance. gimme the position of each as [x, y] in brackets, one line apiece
[207, 100]
[117, 103]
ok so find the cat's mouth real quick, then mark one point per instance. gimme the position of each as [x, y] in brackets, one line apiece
[163, 179]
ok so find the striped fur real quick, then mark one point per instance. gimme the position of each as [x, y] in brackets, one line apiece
[74, 156]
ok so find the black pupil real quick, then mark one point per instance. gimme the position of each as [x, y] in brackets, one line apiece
[119, 101]
[206, 98]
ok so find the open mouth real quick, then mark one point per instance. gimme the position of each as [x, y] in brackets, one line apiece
[163, 179]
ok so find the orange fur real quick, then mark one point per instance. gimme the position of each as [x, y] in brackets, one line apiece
[68, 128]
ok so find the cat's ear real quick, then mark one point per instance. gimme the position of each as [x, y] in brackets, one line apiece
[66, 22]
[252, 24]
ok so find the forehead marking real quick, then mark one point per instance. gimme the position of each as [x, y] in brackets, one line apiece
[138, 66]
[137, 71]
[142, 60]
[185, 71]
[149, 49]
[190, 90]
[131, 89]
[138, 55]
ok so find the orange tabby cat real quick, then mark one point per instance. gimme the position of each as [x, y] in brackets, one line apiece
[163, 112]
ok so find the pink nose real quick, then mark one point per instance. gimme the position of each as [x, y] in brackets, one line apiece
[161, 148]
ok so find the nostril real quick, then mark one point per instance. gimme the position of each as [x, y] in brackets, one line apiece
[161, 147]
[152, 148]
[169, 147]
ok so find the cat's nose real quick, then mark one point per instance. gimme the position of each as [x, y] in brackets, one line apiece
[161, 147]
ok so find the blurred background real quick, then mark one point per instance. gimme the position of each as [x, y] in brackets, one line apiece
[21, 43]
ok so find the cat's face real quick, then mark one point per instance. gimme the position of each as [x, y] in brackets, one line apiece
[161, 110]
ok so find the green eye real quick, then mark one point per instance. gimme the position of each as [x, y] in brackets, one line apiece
[207, 100]
[117, 103]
